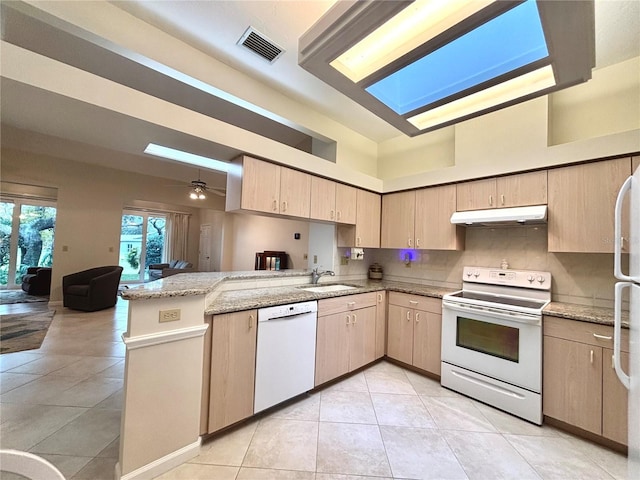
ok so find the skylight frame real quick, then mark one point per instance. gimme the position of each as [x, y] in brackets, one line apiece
[568, 27]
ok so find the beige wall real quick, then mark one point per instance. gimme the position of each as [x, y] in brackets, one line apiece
[577, 278]
[89, 207]
[247, 234]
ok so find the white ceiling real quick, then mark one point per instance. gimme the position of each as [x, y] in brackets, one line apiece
[214, 27]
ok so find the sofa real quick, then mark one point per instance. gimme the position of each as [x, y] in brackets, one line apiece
[37, 281]
[92, 289]
[162, 270]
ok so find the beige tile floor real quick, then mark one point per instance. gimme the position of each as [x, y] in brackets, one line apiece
[63, 402]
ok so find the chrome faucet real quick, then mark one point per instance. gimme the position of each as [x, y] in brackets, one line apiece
[315, 276]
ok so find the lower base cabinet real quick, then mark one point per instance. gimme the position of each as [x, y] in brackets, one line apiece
[381, 324]
[580, 386]
[414, 330]
[346, 338]
[233, 367]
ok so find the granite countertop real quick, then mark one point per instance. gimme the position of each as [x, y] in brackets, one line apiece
[200, 283]
[584, 313]
[238, 300]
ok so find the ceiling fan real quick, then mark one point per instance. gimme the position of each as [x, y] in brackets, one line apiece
[199, 188]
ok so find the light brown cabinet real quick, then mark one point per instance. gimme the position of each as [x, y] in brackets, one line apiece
[332, 202]
[581, 206]
[346, 338]
[579, 386]
[517, 190]
[265, 187]
[421, 219]
[414, 328]
[381, 324]
[366, 232]
[232, 372]
[635, 163]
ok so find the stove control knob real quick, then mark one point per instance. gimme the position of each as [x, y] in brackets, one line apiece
[540, 279]
[469, 273]
[476, 274]
[531, 278]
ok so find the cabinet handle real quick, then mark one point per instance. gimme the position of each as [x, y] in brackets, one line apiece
[622, 240]
[591, 356]
[408, 315]
[502, 199]
[413, 302]
[351, 304]
[379, 298]
[357, 241]
[284, 206]
[348, 319]
[417, 243]
[332, 215]
[613, 363]
[491, 200]
[250, 322]
[602, 337]
[409, 242]
[339, 215]
[275, 205]
[355, 319]
[417, 317]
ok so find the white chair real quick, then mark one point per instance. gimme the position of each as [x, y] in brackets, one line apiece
[28, 465]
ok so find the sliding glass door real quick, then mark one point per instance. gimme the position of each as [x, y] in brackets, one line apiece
[142, 243]
[27, 229]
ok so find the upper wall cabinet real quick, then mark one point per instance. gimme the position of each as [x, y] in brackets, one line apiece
[635, 162]
[366, 232]
[421, 219]
[581, 205]
[510, 191]
[332, 202]
[265, 187]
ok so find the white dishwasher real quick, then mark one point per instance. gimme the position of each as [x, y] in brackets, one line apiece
[286, 353]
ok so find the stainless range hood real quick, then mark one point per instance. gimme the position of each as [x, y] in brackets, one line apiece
[496, 217]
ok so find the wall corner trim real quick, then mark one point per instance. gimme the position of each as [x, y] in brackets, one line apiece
[161, 465]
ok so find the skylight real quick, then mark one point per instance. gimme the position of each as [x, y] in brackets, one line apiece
[508, 42]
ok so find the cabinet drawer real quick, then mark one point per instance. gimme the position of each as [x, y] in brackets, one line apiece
[329, 306]
[583, 332]
[426, 304]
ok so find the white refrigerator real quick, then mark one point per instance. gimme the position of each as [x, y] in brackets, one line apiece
[629, 280]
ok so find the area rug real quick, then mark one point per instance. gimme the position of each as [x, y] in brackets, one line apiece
[24, 331]
[18, 296]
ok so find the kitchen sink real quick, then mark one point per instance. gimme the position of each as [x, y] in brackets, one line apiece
[328, 288]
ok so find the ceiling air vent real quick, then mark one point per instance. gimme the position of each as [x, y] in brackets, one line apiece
[260, 45]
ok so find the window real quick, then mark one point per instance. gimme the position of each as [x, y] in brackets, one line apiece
[142, 236]
[27, 230]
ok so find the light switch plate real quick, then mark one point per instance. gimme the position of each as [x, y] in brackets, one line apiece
[169, 315]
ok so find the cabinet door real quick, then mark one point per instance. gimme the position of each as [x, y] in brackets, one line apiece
[522, 189]
[635, 163]
[381, 323]
[581, 203]
[476, 195]
[433, 228]
[295, 193]
[362, 337]
[346, 204]
[614, 399]
[367, 219]
[332, 347]
[398, 215]
[572, 383]
[323, 199]
[400, 334]
[427, 331]
[233, 360]
[260, 186]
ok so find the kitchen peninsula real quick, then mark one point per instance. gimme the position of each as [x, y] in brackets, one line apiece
[166, 338]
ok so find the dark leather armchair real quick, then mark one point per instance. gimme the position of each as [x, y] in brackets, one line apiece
[91, 290]
[37, 281]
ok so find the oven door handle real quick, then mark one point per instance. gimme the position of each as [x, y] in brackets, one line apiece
[501, 314]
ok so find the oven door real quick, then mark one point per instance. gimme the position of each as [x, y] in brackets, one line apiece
[501, 345]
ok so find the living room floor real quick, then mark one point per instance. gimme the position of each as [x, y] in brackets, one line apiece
[63, 403]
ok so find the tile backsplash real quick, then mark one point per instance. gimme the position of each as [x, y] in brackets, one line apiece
[585, 279]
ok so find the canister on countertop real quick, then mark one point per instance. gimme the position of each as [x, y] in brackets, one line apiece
[375, 271]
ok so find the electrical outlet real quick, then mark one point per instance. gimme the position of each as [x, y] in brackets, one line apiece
[170, 315]
[344, 260]
[315, 259]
